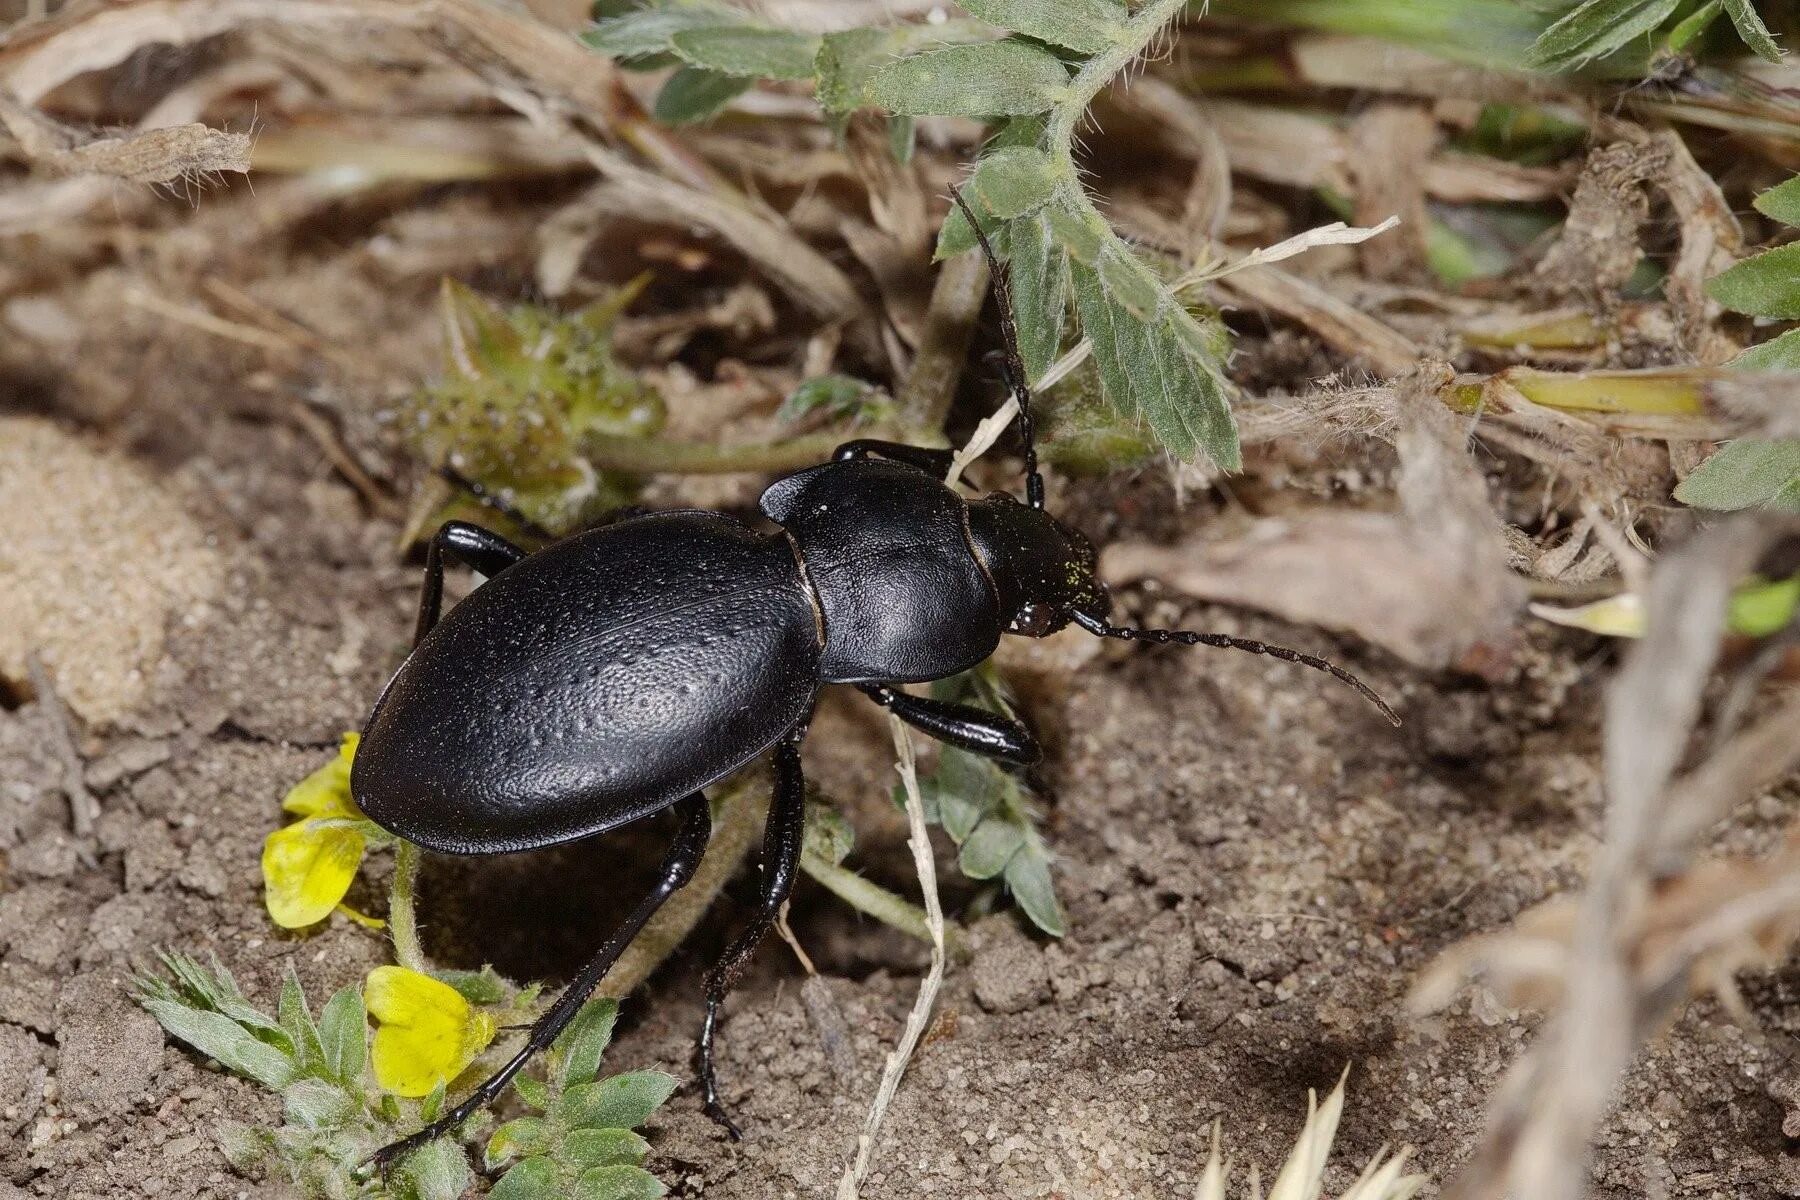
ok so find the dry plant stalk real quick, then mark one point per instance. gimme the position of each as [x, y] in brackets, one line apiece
[919, 840]
[1652, 929]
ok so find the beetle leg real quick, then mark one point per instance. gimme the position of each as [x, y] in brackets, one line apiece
[961, 725]
[927, 459]
[684, 856]
[487, 552]
[782, 839]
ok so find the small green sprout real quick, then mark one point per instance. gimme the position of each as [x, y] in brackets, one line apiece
[526, 387]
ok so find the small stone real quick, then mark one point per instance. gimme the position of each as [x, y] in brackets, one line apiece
[1009, 971]
[21, 1079]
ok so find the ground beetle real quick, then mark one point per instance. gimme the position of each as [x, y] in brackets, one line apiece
[623, 670]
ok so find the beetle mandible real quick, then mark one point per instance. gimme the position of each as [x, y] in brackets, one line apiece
[625, 669]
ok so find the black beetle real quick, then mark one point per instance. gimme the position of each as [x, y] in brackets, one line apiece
[623, 670]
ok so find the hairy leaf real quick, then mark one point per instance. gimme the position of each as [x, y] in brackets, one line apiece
[1777, 354]
[1750, 27]
[605, 1148]
[1028, 878]
[617, 1102]
[343, 1032]
[1765, 286]
[1013, 180]
[318, 1104]
[1156, 370]
[579, 1049]
[1781, 203]
[293, 1016]
[1597, 28]
[991, 846]
[747, 50]
[1089, 26]
[991, 79]
[644, 32]
[523, 1138]
[1746, 474]
[435, 1171]
[694, 94]
[847, 62]
[618, 1183]
[1039, 274]
[532, 1179]
[218, 1036]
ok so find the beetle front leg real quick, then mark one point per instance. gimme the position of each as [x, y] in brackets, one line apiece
[961, 725]
[683, 858]
[486, 552]
[782, 840]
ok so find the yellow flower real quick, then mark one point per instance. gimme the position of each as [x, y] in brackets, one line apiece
[427, 1032]
[309, 865]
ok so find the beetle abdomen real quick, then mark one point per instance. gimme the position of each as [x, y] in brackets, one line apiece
[593, 683]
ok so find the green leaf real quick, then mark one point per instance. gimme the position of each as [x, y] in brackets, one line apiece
[435, 1171]
[1694, 24]
[650, 31]
[319, 1104]
[957, 236]
[1745, 474]
[993, 79]
[1764, 607]
[604, 1148]
[532, 1179]
[217, 990]
[1765, 286]
[1072, 231]
[1750, 27]
[582, 1044]
[1089, 26]
[1595, 29]
[1129, 283]
[828, 835]
[245, 1147]
[343, 1031]
[968, 789]
[847, 62]
[748, 50]
[991, 846]
[218, 1036]
[1038, 273]
[843, 397]
[433, 1102]
[618, 1183]
[617, 1102]
[1012, 181]
[1777, 354]
[477, 987]
[532, 1091]
[1028, 878]
[694, 94]
[522, 1138]
[1781, 203]
[1158, 370]
[903, 138]
[294, 1017]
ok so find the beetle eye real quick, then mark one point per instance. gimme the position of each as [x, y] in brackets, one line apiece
[1035, 620]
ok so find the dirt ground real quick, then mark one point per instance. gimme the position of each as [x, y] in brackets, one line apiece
[1254, 868]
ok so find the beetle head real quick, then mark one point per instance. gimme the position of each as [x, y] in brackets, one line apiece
[1044, 571]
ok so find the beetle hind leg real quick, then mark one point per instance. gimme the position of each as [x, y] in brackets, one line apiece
[683, 858]
[961, 725]
[487, 552]
[782, 840]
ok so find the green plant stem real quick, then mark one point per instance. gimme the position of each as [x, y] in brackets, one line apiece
[876, 901]
[403, 921]
[1098, 71]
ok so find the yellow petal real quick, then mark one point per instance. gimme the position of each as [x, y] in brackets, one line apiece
[307, 868]
[326, 792]
[427, 1032]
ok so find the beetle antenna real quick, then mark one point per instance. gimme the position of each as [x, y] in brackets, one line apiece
[1186, 637]
[494, 500]
[1012, 363]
